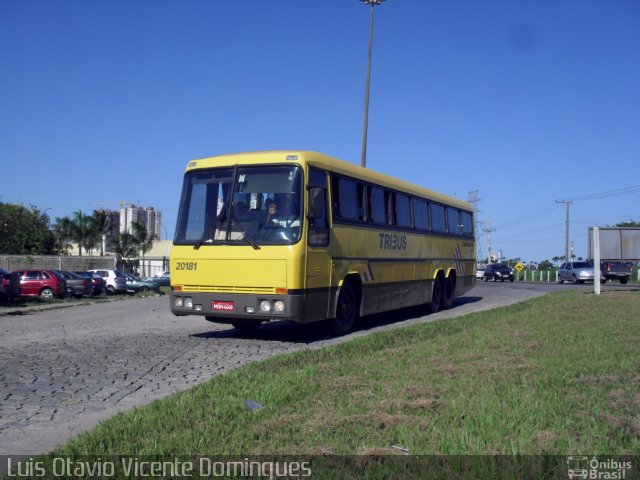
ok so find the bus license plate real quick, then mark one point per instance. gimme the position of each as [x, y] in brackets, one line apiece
[222, 306]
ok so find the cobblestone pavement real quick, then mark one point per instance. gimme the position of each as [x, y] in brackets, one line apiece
[62, 371]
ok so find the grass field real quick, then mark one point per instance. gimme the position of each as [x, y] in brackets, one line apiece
[556, 375]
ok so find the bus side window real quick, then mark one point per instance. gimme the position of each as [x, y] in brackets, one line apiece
[453, 221]
[403, 211]
[467, 224]
[420, 214]
[388, 197]
[438, 222]
[317, 209]
[377, 211]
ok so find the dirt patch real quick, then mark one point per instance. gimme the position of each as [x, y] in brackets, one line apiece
[543, 440]
[635, 428]
[443, 366]
[414, 393]
[411, 405]
[381, 451]
[382, 421]
[341, 383]
[324, 452]
[278, 424]
[535, 345]
[361, 396]
[616, 421]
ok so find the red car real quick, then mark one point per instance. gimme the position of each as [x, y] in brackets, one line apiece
[42, 283]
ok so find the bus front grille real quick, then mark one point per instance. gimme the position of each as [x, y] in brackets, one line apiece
[219, 289]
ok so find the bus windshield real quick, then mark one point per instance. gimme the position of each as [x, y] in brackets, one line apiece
[241, 206]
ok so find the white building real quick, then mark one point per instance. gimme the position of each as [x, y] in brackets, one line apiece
[129, 214]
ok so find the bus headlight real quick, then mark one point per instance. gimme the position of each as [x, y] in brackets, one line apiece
[178, 302]
[265, 306]
[188, 302]
[278, 306]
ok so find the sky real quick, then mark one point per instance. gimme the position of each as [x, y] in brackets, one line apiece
[527, 103]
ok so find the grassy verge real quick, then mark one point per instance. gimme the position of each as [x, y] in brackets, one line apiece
[555, 375]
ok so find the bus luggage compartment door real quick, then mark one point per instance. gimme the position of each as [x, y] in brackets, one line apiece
[318, 286]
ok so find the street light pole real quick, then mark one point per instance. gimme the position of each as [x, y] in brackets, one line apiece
[373, 3]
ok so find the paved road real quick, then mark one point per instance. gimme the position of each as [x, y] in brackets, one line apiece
[62, 371]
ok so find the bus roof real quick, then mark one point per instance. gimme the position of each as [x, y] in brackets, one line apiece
[328, 163]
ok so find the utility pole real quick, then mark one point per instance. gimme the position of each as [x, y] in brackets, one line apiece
[489, 230]
[566, 240]
[372, 3]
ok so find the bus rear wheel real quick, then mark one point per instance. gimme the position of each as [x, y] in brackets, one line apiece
[346, 310]
[448, 292]
[436, 296]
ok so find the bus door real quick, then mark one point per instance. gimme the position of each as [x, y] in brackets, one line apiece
[318, 268]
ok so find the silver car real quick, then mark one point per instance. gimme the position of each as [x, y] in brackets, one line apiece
[576, 272]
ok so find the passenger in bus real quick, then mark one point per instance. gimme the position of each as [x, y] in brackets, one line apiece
[272, 217]
[270, 212]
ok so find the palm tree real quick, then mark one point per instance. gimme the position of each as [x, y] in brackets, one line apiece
[143, 240]
[101, 223]
[63, 232]
[83, 231]
[125, 247]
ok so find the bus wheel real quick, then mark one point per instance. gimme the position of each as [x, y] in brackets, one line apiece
[346, 310]
[447, 294]
[246, 326]
[436, 297]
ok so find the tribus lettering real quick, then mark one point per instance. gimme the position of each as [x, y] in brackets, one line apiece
[393, 241]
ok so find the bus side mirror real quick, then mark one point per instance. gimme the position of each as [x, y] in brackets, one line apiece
[316, 207]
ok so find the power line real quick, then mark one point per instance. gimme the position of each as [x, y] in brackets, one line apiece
[607, 194]
[535, 213]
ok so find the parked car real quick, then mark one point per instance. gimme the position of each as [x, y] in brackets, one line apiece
[116, 281]
[576, 272]
[43, 283]
[620, 271]
[480, 272]
[135, 284]
[9, 285]
[163, 279]
[99, 283]
[77, 286]
[496, 272]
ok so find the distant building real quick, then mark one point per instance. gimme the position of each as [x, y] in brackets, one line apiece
[129, 214]
[496, 256]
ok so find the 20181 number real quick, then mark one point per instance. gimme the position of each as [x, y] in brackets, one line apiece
[186, 265]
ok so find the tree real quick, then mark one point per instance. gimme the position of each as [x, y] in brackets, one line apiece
[25, 231]
[84, 231]
[125, 247]
[142, 238]
[630, 223]
[546, 264]
[63, 233]
[101, 224]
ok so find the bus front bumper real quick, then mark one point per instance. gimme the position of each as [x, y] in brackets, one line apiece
[226, 307]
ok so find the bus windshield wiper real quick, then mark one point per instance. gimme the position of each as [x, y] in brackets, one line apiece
[245, 236]
[200, 242]
[219, 221]
[250, 241]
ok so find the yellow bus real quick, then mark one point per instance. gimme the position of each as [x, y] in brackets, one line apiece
[302, 236]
